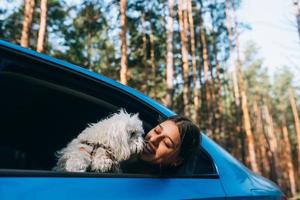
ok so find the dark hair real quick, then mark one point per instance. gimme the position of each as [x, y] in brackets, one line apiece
[189, 134]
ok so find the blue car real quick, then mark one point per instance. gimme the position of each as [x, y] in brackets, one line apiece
[45, 102]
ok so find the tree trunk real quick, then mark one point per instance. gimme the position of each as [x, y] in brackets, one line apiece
[89, 51]
[272, 144]
[261, 141]
[194, 66]
[124, 67]
[238, 112]
[28, 12]
[169, 64]
[246, 120]
[43, 25]
[247, 127]
[152, 57]
[243, 95]
[219, 100]
[144, 39]
[184, 51]
[296, 124]
[205, 58]
[216, 91]
[144, 86]
[214, 113]
[288, 159]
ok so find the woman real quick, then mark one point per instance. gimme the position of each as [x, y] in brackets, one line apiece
[167, 146]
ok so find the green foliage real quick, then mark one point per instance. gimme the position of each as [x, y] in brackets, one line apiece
[87, 34]
[11, 26]
[256, 75]
[86, 39]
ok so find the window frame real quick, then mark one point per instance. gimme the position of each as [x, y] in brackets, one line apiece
[33, 61]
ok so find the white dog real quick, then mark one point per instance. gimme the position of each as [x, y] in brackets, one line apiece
[103, 145]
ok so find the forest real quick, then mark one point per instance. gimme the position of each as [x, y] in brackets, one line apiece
[186, 54]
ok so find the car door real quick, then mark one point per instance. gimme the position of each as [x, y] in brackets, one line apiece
[109, 188]
[47, 102]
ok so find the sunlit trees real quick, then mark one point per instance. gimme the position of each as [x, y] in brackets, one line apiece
[185, 54]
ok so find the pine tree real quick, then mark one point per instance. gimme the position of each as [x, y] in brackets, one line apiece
[169, 59]
[27, 21]
[124, 67]
[182, 15]
[43, 26]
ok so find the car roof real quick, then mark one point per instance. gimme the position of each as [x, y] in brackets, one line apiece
[39, 56]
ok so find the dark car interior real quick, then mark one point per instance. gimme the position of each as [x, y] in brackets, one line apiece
[44, 106]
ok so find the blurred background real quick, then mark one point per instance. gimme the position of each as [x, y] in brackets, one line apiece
[233, 66]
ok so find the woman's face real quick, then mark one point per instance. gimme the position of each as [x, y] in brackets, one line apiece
[163, 145]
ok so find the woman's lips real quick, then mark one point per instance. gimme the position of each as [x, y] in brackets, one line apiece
[149, 149]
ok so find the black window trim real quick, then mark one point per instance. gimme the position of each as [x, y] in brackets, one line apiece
[45, 173]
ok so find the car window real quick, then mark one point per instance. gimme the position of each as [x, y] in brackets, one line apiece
[43, 107]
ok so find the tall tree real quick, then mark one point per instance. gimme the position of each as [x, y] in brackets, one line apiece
[194, 65]
[182, 15]
[272, 143]
[43, 25]
[152, 58]
[217, 40]
[27, 21]
[257, 87]
[288, 159]
[283, 119]
[146, 30]
[244, 100]
[261, 140]
[206, 97]
[169, 59]
[124, 67]
[296, 122]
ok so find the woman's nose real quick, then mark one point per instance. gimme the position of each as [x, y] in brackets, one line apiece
[155, 139]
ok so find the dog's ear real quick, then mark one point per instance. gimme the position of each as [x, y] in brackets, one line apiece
[121, 146]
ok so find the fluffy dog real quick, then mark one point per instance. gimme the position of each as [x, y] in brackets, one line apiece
[103, 145]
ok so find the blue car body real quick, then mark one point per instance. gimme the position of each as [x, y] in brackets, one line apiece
[232, 179]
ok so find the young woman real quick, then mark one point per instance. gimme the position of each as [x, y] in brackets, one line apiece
[167, 147]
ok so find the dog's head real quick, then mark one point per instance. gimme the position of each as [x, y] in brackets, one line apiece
[127, 134]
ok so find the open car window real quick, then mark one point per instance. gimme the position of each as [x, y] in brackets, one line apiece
[43, 107]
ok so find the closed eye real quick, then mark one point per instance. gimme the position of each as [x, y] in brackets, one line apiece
[158, 129]
[168, 143]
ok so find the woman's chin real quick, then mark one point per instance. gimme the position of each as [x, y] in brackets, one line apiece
[149, 158]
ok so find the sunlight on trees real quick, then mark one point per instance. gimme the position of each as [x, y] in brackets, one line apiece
[185, 54]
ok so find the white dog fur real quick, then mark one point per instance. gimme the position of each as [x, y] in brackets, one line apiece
[103, 145]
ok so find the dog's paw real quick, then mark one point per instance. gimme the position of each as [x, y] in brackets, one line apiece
[76, 165]
[102, 165]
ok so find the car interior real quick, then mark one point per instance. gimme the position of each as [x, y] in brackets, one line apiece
[44, 106]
